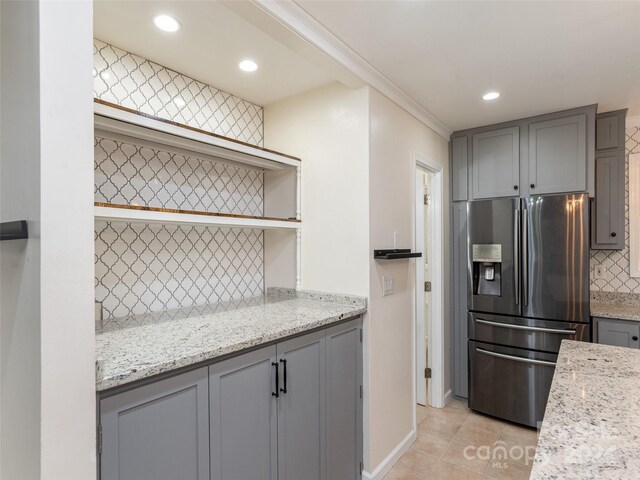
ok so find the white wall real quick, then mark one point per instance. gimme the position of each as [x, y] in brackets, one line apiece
[395, 135]
[48, 364]
[19, 260]
[328, 129]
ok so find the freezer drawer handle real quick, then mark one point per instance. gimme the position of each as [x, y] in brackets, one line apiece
[524, 327]
[517, 359]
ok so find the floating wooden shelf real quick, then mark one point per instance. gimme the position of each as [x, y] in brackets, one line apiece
[120, 121]
[395, 254]
[138, 214]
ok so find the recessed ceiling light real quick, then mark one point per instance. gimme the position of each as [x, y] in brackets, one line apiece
[248, 66]
[490, 96]
[166, 23]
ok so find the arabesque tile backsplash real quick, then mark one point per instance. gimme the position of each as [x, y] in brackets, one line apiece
[134, 82]
[616, 262]
[143, 268]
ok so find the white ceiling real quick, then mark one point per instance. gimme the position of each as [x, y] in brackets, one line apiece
[208, 47]
[542, 56]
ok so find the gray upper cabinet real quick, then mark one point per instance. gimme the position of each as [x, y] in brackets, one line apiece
[157, 431]
[607, 208]
[607, 213]
[496, 163]
[244, 428]
[618, 332]
[558, 155]
[343, 401]
[459, 167]
[301, 408]
[610, 130]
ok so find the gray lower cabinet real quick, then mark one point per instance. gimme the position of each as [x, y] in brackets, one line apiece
[619, 333]
[343, 401]
[301, 408]
[159, 431]
[607, 213]
[225, 422]
[496, 163]
[244, 422]
[558, 155]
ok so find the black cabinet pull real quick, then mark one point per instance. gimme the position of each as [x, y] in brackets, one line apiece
[284, 363]
[515, 187]
[613, 234]
[635, 338]
[533, 185]
[276, 393]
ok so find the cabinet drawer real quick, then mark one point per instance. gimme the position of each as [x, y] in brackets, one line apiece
[618, 333]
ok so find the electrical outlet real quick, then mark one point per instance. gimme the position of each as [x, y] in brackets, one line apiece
[387, 286]
[599, 272]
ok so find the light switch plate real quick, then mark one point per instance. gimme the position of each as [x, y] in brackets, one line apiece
[387, 286]
[599, 272]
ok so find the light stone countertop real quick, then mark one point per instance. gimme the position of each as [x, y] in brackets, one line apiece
[591, 427]
[625, 306]
[141, 346]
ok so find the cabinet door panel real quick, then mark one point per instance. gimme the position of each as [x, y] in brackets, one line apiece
[496, 163]
[157, 431]
[619, 333]
[610, 130]
[243, 417]
[344, 405]
[608, 212]
[460, 265]
[558, 155]
[459, 167]
[301, 410]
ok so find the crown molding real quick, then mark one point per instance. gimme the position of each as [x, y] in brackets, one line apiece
[300, 22]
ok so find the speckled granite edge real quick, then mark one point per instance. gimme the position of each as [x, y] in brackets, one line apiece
[629, 299]
[279, 292]
[591, 426]
[129, 354]
[625, 306]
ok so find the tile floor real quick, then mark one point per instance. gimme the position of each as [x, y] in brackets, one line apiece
[454, 443]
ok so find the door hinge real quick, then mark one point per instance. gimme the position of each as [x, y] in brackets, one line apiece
[360, 391]
[360, 335]
[99, 439]
[427, 286]
[427, 372]
[427, 199]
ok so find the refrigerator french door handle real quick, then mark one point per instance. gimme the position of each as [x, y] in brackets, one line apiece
[517, 359]
[529, 329]
[516, 254]
[525, 256]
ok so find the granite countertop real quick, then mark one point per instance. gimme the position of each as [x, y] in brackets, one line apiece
[625, 306]
[591, 427]
[141, 346]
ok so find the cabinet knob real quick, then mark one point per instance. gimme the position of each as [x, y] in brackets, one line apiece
[613, 234]
[635, 338]
[533, 185]
[515, 187]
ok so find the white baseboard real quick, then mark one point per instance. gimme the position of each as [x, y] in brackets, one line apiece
[447, 397]
[384, 467]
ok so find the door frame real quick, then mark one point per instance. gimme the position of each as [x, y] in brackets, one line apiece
[436, 270]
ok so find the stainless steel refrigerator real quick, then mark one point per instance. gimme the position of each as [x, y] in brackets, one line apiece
[528, 284]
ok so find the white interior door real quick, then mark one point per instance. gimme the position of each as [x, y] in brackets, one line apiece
[421, 328]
